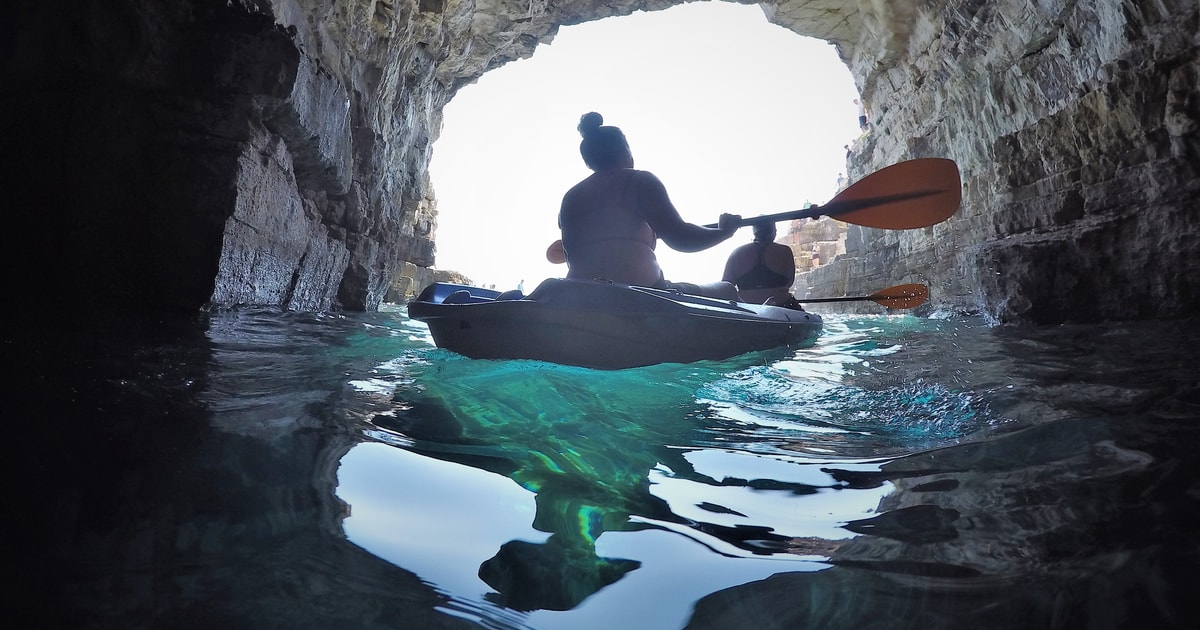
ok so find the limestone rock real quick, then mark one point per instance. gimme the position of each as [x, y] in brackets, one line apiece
[276, 151]
[1074, 124]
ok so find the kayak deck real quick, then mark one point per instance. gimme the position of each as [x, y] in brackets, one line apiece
[603, 325]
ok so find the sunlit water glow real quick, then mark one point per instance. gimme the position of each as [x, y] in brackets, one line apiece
[586, 498]
[603, 451]
[899, 471]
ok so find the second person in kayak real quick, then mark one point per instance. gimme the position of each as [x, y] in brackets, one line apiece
[763, 270]
[612, 220]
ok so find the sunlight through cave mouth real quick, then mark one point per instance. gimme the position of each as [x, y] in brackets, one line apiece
[731, 112]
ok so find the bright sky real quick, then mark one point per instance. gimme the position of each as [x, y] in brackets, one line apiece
[732, 113]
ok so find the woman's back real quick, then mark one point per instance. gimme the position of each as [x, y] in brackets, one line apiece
[604, 232]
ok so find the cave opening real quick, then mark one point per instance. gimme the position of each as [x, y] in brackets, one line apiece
[733, 113]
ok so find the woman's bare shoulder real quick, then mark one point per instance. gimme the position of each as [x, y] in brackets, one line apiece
[649, 186]
[645, 177]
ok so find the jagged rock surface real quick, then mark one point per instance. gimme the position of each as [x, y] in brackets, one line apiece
[276, 151]
[1074, 124]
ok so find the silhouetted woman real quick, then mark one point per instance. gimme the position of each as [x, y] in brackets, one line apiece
[612, 220]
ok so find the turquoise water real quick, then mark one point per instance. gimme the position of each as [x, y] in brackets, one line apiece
[585, 498]
[340, 471]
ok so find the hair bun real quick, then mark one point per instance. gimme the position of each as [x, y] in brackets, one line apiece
[589, 122]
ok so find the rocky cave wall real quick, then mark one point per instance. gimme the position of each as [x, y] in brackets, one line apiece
[1075, 126]
[275, 152]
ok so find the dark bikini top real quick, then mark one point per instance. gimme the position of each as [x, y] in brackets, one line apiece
[760, 276]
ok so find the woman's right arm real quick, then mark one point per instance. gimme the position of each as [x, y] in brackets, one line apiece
[657, 210]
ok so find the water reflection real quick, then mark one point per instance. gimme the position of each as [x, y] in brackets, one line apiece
[911, 474]
[402, 515]
[723, 466]
[581, 444]
[1073, 523]
[901, 469]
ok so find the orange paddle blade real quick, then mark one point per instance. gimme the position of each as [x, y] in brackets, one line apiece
[912, 194]
[901, 296]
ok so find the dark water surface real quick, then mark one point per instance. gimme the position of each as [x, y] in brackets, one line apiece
[258, 469]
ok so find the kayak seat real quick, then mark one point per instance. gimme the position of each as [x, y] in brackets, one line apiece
[464, 297]
[513, 294]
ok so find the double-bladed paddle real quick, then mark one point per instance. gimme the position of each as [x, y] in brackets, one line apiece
[906, 195]
[900, 296]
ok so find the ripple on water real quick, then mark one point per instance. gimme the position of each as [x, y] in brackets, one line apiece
[876, 445]
[848, 396]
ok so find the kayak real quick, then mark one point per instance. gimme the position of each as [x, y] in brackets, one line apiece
[598, 324]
